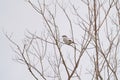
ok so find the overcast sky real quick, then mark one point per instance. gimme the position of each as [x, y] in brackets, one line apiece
[15, 17]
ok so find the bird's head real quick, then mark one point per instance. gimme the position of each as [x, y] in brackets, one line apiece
[64, 36]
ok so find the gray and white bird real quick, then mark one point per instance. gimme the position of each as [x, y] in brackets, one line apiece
[67, 40]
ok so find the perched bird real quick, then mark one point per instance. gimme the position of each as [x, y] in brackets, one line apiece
[67, 40]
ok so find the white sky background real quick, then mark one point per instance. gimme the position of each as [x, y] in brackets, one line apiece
[16, 16]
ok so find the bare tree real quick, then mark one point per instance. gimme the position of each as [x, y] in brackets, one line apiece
[94, 26]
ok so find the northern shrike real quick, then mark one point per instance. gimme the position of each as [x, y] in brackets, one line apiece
[67, 40]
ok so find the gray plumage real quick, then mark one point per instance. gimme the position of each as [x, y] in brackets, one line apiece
[67, 40]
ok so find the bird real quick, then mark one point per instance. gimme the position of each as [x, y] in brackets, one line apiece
[67, 40]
